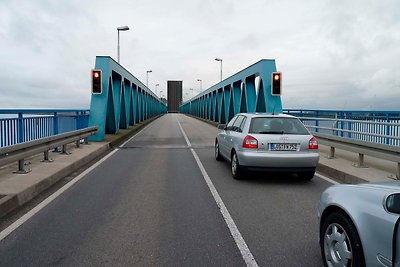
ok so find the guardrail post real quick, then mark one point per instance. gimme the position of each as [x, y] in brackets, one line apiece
[46, 157]
[332, 153]
[21, 167]
[360, 163]
[64, 150]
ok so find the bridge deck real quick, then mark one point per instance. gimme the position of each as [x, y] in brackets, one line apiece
[148, 204]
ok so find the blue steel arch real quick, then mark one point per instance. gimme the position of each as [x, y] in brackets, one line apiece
[124, 101]
[237, 94]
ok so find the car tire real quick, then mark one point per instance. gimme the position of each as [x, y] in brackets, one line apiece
[218, 156]
[306, 176]
[340, 243]
[236, 169]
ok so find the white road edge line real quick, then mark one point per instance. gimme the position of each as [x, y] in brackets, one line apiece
[44, 203]
[326, 178]
[237, 236]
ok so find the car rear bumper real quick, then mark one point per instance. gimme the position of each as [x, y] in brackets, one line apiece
[278, 161]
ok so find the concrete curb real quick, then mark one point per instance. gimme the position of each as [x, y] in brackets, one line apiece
[10, 202]
[339, 175]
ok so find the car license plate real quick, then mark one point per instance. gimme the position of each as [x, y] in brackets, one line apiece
[283, 147]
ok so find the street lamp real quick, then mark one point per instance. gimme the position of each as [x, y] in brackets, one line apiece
[122, 28]
[156, 87]
[199, 80]
[191, 89]
[220, 60]
[147, 77]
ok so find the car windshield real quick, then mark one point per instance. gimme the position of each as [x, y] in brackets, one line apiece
[277, 125]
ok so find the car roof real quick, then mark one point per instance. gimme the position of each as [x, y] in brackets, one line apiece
[265, 114]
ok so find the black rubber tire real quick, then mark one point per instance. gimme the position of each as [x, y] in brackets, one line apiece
[239, 171]
[217, 155]
[353, 239]
[306, 176]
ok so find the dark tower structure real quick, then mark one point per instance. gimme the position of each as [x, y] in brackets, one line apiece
[174, 89]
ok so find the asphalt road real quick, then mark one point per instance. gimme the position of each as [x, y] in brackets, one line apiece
[149, 205]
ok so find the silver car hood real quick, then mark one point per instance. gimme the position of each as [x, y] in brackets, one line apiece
[390, 186]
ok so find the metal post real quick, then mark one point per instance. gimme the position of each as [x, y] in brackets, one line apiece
[64, 150]
[46, 157]
[360, 163]
[118, 46]
[21, 167]
[332, 153]
[20, 128]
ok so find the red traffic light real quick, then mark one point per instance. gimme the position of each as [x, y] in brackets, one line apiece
[276, 84]
[96, 82]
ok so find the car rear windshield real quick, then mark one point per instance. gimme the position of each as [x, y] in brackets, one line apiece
[277, 125]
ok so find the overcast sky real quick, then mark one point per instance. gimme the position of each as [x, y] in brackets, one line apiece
[336, 54]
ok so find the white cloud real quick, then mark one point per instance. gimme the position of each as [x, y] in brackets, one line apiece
[333, 54]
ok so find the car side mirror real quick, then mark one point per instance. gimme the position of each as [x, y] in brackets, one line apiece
[221, 126]
[393, 203]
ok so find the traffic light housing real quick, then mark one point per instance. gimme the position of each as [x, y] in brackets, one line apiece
[276, 84]
[96, 82]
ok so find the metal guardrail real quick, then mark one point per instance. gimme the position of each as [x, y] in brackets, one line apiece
[365, 135]
[367, 125]
[21, 151]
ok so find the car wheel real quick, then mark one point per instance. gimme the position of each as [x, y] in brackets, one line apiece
[306, 176]
[340, 243]
[218, 156]
[235, 167]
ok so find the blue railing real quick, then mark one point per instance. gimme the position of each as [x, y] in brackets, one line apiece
[381, 127]
[18, 126]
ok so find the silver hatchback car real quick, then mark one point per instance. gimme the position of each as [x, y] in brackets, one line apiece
[264, 141]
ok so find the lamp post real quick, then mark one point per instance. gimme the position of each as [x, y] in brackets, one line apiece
[199, 80]
[147, 77]
[220, 60]
[156, 88]
[122, 28]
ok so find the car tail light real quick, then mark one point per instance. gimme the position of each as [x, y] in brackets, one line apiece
[313, 143]
[250, 142]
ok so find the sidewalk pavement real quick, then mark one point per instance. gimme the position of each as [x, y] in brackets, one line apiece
[18, 189]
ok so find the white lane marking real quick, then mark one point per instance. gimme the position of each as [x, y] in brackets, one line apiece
[326, 178]
[48, 200]
[237, 236]
[44, 203]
